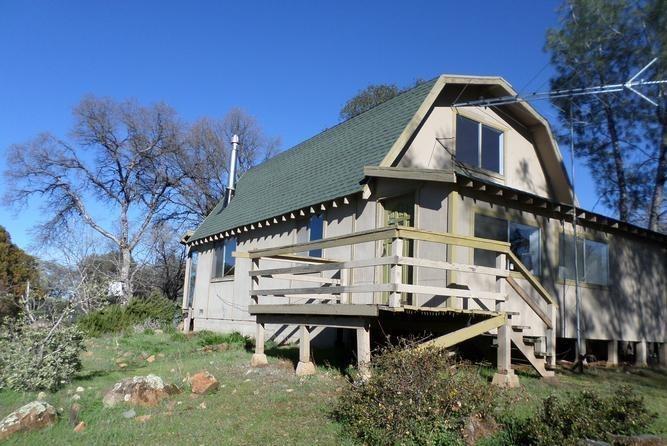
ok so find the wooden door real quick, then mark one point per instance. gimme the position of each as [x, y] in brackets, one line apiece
[398, 211]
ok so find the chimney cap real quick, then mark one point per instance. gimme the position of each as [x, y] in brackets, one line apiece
[235, 139]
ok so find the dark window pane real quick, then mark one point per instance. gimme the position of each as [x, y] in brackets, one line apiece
[596, 262]
[491, 228]
[315, 231]
[219, 256]
[193, 273]
[467, 139]
[567, 257]
[230, 260]
[491, 149]
[525, 243]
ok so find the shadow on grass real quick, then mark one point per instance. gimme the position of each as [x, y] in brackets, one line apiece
[91, 374]
[334, 358]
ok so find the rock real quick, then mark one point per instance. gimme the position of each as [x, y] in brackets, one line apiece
[203, 382]
[79, 389]
[151, 358]
[74, 411]
[129, 414]
[76, 397]
[80, 427]
[158, 331]
[32, 416]
[41, 396]
[143, 418]
[139, 390]
[122, 365]
[202, 405]
[476, 428]
[638, 440]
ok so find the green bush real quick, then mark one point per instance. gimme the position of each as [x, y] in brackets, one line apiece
[33, 358]
[414, 397]
[584, 415]
[206, 337]
[154, 310]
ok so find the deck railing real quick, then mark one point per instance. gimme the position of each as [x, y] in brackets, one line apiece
[337, 288]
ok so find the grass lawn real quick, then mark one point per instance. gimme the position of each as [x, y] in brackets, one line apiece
[268, 406]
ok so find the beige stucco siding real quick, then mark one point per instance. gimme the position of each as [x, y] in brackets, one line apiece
[435, 140]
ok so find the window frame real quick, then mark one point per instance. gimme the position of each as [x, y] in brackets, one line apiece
[480, 126]
[583, 275]
[309, 231]
[537, 270]
[222, 247]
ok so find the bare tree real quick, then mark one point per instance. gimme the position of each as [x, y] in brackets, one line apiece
[205, 169]
[120, 155]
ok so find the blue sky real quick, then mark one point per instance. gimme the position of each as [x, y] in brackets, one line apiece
[292, 64]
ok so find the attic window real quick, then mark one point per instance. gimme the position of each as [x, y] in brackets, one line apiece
[479, 145]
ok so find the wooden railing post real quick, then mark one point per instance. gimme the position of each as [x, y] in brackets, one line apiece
[345, 281]
[396, 272]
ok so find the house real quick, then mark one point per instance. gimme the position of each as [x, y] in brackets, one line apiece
[419, 215]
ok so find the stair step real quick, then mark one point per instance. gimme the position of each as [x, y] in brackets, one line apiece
[520, 327]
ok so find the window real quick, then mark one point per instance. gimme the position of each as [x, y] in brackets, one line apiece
[194, 256]
[315, 232]
[592, 260]
[479, 145]
[524, 241]
[224, 261]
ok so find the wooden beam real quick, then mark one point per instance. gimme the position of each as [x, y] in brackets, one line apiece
[367, 288]
[315, 320]
[531, 302]
[411, 173]
[451, 292]
[316, 309]
[308, 269]
[463, 334]
[531, 279]
[436, 264]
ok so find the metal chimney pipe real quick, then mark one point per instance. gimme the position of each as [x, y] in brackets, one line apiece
[232, 170]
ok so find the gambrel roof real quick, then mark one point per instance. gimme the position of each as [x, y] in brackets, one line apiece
[331, 164]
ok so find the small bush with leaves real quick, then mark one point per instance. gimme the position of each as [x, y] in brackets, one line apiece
[584, 415]
[154, 310]
[414, 396]
[38, 358]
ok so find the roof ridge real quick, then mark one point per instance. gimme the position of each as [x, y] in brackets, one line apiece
[297, 145]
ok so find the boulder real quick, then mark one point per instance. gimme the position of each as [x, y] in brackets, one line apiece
[477, 428]
[80, 427]
[32, 416]
[203, 382]
[139, 390]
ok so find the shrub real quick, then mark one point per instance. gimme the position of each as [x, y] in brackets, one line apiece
[33, 359]
[206, 337]
[414, 397]
[584, 415]
[150, 312]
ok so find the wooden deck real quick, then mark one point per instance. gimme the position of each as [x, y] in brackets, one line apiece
[314, 293]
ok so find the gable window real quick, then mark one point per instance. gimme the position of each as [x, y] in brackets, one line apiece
[524, 241]
[479, 145]
[592, 260]
[224, 261]
[315, 232]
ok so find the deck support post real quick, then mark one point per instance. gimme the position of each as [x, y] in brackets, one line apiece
[663, 354]
[345, 281]
[396, 273]
[641, 350]
[364, 352]
[551, 336]
[612, 353]
[505, 376]
[305, 366]
[259, 358]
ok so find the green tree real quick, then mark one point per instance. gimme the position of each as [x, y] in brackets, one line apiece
[368, 98]
[16, 269]
[622, 139]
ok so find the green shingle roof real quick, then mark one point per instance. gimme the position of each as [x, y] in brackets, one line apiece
[327, 166]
